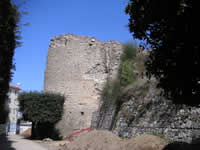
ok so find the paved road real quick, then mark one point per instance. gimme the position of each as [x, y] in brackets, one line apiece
[15, 142]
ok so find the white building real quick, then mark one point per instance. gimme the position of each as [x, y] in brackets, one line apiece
[14, 115]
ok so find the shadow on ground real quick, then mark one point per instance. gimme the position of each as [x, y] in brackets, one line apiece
[5, 143]
[194, 145]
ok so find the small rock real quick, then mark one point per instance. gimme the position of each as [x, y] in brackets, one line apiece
[47, 140]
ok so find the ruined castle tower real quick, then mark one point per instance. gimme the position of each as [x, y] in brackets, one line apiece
[78, 67]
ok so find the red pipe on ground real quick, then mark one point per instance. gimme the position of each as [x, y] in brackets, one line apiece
[78, 132]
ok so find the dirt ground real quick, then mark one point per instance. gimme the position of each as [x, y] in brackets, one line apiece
[105, 140]
[16, 142]
[94, 140]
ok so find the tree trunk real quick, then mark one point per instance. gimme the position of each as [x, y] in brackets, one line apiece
[33, 135]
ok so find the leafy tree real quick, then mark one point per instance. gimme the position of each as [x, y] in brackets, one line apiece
[43, 110]
[169, 28]
[9, 18]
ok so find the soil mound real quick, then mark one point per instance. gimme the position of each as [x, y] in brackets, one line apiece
[144, 142]
[105, 140]
[95, 140]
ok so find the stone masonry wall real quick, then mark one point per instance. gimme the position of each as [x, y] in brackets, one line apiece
[78, 66]
[146, 111]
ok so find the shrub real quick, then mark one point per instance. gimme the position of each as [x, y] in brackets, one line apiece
[127, 74]
[111, 91]
[2, 129]
[41, 109]
[129, 52]
[126, 71]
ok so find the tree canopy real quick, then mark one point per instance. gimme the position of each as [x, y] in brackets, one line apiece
[9, 18]
[171, 29]
[41, 107]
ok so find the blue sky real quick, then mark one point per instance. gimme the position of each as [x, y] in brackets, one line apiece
[103, 19]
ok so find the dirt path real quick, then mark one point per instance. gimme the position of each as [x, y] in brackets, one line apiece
[15, 142]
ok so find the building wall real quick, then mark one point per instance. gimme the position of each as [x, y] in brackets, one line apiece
[78, 66]
[14, 109]
[25, 126]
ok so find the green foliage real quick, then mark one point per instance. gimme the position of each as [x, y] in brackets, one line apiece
[2, 129]
[129, 52]
[126, 72]
[127, 75]
[41, 107]
[170, 36]
[111, 91]
[9, 29]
